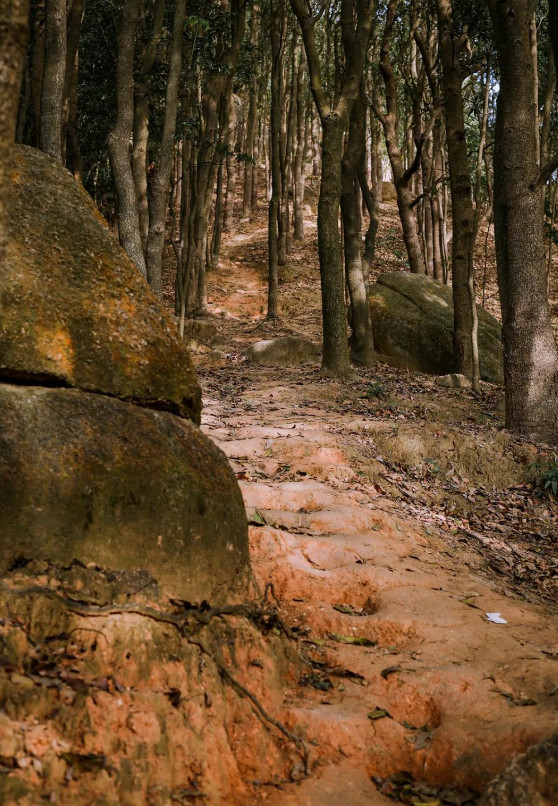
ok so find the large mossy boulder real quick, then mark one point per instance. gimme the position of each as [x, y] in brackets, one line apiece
[89, 478]
[412, 320]
[75, 310]
[101, 460]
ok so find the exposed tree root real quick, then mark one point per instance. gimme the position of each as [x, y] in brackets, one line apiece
[188, 623]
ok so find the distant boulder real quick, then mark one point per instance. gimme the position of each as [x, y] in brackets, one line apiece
[412, 321]
[75, 310]
[389, 193]
[286, 351]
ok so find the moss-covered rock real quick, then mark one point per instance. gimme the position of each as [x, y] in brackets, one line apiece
[75, 310]
[286, 351]
[412, 320]
[530, 780]
[87, 477]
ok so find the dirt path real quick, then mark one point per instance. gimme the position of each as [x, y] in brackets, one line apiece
[389, 599]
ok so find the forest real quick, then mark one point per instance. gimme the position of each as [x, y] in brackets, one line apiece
[279, 402]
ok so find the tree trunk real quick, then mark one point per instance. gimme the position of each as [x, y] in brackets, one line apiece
[52, 93]
[232, 149]
[356, 24]
[299, 168]
[278, 11]
[251, 127]
[335, 359]
[530, 353]
[69, 106]
[361, 342]
[160, 183]
[465, 328]
[142, 97]
[13, 38]
[214, 122]
[401, 177]
[118, 141]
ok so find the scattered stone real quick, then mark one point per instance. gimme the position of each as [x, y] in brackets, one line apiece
[530, 780]
[286, 351]
[202, 331]
[454, 381]
[389, 192]
[412, 320]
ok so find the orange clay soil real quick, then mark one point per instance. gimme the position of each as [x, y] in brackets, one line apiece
[390, 516]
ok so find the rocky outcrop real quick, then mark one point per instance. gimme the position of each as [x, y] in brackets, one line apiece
[108, 468]
[530, 780]
[75, 310]
[89, 478]
[286, 351]
[412, 320]
[124, 562]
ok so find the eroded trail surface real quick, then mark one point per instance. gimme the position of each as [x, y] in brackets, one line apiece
[390, 516]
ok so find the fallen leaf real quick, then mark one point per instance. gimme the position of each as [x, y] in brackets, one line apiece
[378, 713]
[390, 670]
[352, 639]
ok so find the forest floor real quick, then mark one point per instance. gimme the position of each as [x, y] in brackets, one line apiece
[393, 518]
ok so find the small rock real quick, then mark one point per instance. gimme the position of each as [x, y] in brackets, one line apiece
[454, 381]
[286, 351]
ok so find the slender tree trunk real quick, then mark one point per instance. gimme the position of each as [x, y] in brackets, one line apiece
[465, 330]
[52, 94]
[251, 125]
[356, 24]
[299, 156]
[530, 353]
[401, 177]
[361, 342]
[141, 120]
[277, 47]
[547, 108]
[160, 183]
[13, 38]
[230, 189]
[214, 115]
[215, 250]
[119, 138]
[335, 359]
[69, 105]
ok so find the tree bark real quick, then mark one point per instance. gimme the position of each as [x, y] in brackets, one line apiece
[13, 38]
[356, 25]
[465, 329]
[160, 183]
[299, 171]
[401, 177]
[69, 105]
[361, 341]
[119, 138]
[142, 99]
[214, 117]
[530, 352]
[277, 10]
[52, 93]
